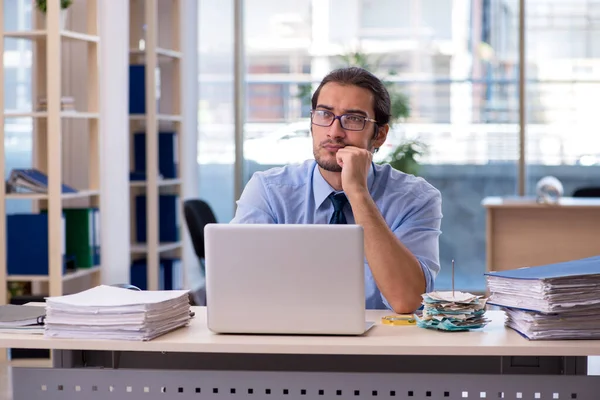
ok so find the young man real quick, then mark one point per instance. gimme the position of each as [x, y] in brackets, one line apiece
[400, 214]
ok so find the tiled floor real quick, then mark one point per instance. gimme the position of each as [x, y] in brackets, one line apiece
[6, 389]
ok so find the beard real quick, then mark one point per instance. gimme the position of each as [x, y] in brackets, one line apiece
[328, 165]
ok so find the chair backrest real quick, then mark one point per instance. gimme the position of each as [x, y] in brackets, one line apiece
[197, 214]
[587, 192]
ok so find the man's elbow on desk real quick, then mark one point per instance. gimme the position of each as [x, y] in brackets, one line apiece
[405, 304]
[406, 296]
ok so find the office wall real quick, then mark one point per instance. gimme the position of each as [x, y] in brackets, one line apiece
[190, 174]
[114, 108]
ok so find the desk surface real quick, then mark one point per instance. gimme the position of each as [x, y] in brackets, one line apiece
[493, 340]
[530, 202]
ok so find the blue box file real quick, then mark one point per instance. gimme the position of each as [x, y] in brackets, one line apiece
[167, 154]
[170, 274]
[137, 88]
[96, 223]
[137, 176]
[168, 221]
[27, 244]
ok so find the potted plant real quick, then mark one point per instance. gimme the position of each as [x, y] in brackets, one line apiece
[64, 5]
[405, 156]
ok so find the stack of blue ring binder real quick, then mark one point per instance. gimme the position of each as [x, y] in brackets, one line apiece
[555, 301]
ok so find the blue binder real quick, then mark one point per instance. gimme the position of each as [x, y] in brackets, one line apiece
[581, 267]
[170, 274]
[137, 89]
[167, 154]
[27, 244]
[168, 222]
[30, 178]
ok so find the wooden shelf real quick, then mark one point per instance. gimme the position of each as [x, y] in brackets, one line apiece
[159, 117]
[162, 40]
[41, 35]
[44, 114]
[81, 194]
[45, 278]
[160, 182]
[142, 248]
[162, 52]
[63, 62]
[169, 53]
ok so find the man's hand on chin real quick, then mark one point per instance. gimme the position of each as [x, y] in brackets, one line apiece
[355, 165]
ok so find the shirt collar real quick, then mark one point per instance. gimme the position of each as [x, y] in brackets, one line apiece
[322, 189]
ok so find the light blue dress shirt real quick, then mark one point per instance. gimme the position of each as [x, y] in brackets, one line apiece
[298, 194]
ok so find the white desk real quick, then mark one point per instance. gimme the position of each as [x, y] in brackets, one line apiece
[403, 362]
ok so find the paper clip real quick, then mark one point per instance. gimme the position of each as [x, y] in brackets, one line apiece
[398, 320]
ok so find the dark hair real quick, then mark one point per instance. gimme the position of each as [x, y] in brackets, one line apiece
[362, 78]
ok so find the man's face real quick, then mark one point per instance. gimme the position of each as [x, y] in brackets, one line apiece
[327, 140]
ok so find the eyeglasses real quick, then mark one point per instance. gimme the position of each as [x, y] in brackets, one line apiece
[350, 122]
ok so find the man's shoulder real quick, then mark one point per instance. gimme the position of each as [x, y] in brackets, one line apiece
[400, 183]
[288, 175]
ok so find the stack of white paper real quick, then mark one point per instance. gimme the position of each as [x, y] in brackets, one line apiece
[570, 325]
[452, 311]
[555, 301]
[107, 312]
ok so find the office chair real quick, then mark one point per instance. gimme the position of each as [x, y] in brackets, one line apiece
[587, 192]
[197, 214]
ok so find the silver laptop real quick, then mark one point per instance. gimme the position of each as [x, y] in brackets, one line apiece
[285, 279]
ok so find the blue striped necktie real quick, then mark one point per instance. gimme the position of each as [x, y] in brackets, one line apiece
[339, 200]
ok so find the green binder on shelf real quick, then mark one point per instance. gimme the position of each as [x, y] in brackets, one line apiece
[82, 235]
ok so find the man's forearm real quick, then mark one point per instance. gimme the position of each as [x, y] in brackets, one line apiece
[396, 270]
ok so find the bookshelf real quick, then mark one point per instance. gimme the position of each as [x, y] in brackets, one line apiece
[55, 45]
[156, 67]
[52, 128]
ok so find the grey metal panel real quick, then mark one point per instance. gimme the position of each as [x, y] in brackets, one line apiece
[337, 363]
[90, 384]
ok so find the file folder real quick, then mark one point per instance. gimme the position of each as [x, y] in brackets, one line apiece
[168, 220]
[83, 235]
[137, 88]
[562, 270]
[16, 316]
[555, 301]
[170, 274]
[167, 154]
[27, 244]
[558, 287]
[32, 180]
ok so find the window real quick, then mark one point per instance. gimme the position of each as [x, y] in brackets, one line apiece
[563, 68]
[216, 143]
[18, 144]
[463, 100]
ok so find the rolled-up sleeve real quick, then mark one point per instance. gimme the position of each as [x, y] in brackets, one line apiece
[419, 231]
[253, 206]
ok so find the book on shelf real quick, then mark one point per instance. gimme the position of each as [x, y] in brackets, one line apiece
[67, 103]
[31, 180]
